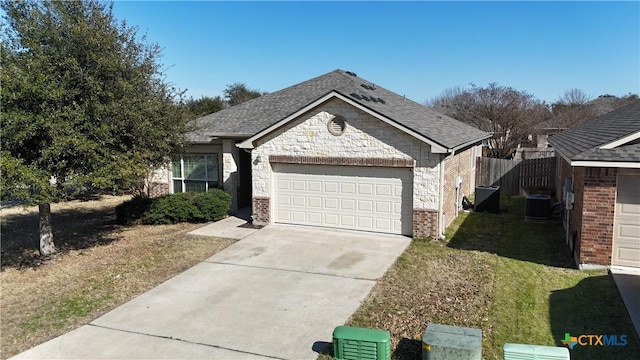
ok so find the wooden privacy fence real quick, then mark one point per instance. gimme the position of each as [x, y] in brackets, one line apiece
[517, 176]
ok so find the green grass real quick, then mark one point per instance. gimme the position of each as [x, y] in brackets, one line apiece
[515, 280]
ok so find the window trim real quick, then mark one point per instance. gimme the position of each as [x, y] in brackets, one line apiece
[206, 180]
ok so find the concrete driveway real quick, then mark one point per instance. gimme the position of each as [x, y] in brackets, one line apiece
[278, 293]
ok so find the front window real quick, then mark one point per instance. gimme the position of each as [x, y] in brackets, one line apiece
[194, 172]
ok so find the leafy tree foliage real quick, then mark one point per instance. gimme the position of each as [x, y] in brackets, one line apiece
[509, 114]
[238, 93]
[84, 103]
[203, 106]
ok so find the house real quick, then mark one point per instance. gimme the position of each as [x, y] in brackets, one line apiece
[599, 161]
[335, 151]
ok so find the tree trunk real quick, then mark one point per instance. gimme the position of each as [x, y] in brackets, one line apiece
[47, 247]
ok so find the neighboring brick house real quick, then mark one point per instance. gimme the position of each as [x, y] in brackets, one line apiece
[599, 161]
[335, 151]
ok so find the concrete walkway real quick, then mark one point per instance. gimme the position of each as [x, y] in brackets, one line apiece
[278, 293]
[232, 227]
[628, 283]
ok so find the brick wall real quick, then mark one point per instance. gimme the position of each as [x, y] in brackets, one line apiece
[458, 165]
[261, 210]
[425, 223]
[598, 208]
[345, 161]
[157, 189]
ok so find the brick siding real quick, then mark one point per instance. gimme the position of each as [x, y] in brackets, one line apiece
[598, 209]
[261, 210]
[425, 223]
[346, 161]
[157, 189]
[457, 165]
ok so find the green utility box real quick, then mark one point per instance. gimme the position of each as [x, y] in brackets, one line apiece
[352, 343]
[444, 342]
[534, 352]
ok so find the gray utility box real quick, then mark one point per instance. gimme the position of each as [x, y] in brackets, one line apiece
[487, 199]
[444, 342]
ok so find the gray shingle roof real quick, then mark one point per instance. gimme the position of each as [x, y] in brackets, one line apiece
[583, 142]
[251, 117]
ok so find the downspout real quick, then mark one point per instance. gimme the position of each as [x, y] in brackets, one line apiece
[441, 199]
[568, 211]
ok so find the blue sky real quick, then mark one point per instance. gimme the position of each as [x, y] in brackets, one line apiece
[416, 49]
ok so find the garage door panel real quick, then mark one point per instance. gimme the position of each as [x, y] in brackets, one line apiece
[629, 231]
[284, 215]
[283, 199]
[630, 209]
[365, 222]
[283, 184]
[314, 202]
[331, 203]
[384, 224]
[365, 189]
[626, 230]
[331, 219]
[315, 186]
[298, 200]
[348, 188]
[315, 218]
[628, 254]
[365, 205]
[331, 187]
[348, 204]
[383, 190]
[348, 220]
[299, 216]
[383, 207]
[299, 185]
[371, 199]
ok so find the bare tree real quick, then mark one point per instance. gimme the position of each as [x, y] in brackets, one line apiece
[572, 108]
[574, 97]
[509, 114]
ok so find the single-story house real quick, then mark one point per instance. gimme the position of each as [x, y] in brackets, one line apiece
[599, 162]
[335, 151]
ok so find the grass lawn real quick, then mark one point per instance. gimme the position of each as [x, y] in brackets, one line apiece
[100, 265]
[515, 280]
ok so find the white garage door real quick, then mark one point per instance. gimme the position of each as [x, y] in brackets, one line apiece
[347, 197]
[626, 229]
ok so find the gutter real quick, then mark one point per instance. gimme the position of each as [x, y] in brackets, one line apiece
[468, 143]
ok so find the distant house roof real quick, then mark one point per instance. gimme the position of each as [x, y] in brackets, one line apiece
[613, 138]
[250, 118]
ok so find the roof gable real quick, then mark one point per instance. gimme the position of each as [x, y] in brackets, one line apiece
[248, 144]
[612, 137]
[257, 115]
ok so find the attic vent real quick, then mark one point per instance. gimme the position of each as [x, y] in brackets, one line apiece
[351, 73]
[337, 125]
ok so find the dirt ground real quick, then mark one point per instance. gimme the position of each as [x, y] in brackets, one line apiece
[99, 266]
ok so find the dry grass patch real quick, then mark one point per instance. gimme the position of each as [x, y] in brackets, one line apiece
[428, 283]
[100, 266]
[513, 279]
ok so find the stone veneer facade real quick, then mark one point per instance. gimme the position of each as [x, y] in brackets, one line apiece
[366, 141]
[229, 164]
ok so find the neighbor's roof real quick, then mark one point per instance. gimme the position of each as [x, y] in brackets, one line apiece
[612, 137]
[249, 118]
